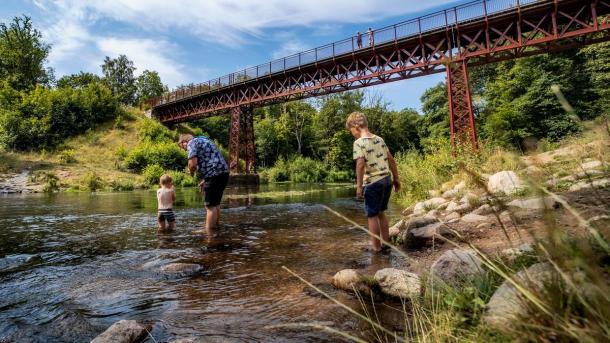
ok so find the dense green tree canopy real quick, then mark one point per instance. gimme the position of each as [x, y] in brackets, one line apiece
[118, 74]
[23, 54]
[149, 85]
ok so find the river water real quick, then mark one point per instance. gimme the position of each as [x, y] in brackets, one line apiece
[73, 264]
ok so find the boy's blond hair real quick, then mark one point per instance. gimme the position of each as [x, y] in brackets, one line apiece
[356, 119]
[165, 180]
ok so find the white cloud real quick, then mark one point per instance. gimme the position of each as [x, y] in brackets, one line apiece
[70, 27]
[146, 54]
[288, 48]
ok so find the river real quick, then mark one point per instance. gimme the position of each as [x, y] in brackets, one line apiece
[71, 264]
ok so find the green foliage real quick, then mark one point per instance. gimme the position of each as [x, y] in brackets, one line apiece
[154, 131]
[303, 169]
[152, 173]
[149, 85]
[49, 181]
[118, 75]
[67, 156]
[43, 117]
[122, 185]
[23, 54]
[167, 155]
[597, 65]
[92, 182]
[434, 124]
[80, 80]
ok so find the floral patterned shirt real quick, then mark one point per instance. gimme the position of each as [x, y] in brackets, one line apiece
[209, 159]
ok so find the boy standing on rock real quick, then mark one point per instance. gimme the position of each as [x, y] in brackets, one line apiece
[374, 163]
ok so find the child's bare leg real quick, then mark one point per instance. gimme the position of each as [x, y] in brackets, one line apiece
[172, 225]
[384, 227]
[374, 229]
[161, 224]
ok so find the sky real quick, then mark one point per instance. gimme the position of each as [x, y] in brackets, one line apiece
[190, 41]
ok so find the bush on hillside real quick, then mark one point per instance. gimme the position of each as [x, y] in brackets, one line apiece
[42, 118]
[154, 131]
[152, 173]
[167, 155]
[303, 169]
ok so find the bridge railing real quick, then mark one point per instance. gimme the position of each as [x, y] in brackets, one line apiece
[447, 18]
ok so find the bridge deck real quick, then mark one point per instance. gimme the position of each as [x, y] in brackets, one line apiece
[481, 31]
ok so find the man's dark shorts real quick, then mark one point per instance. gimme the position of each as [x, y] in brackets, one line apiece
[214, 188]
[377, 196]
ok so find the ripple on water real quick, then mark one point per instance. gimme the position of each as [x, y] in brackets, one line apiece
[101, 260]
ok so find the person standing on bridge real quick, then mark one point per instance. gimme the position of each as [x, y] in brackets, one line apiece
[359, 40]
[205, 157]
[374, 162]
[371, 37]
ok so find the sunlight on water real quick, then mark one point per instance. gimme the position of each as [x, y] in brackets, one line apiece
[73, 264]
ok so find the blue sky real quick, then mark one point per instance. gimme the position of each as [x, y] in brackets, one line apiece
[193, 41]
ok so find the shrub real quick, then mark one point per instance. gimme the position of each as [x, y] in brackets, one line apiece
[167, 155]
[177, 177]
[152, 173]
[48, 180]
[339, 176]
[67, 156]
[304, 169]
[121, 153]
[190, 181]
[122, 185]
[92, 181]
[153, 131]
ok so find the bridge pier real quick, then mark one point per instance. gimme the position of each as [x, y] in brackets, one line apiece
[242, 136]
[461, 115]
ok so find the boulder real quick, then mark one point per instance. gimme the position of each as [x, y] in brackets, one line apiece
[398, 283]
[512, 253]
[507, 303]
[506, 182]
[458, 207]
[453, 216]
[422, 207]
[418, 237]
[483, 210]
[123, 331]
[590, 165]
[586, 184]
[460, 186]
[450, 194]
[456, 265]
[419, 222]
[473, 218]
[396, 228]
[535, 203]
[183, 269]
[347, 280]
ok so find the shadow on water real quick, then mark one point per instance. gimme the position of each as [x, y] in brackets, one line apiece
[73, 264]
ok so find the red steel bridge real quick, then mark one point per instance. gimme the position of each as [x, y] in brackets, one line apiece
[449, 41]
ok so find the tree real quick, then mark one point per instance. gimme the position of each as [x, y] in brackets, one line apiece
[23, 55]
[435, 105]
[598, 66]
[80, 80]
[149, 85]
[118, 74]
[296, 118]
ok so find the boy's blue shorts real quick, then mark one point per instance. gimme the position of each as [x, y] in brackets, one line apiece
[377, 196]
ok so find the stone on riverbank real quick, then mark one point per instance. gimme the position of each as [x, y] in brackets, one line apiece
[456, 265]
[123, 331]
[506, 182]
[421, 236]
[398, 283]
[347, 280]
[535, 203]
[507, 303]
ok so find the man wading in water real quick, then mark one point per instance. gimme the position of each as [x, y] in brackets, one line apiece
[204, 156]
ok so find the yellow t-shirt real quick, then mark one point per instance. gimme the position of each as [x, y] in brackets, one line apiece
[375, 154]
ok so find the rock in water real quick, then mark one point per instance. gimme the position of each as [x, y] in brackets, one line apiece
[346, 279]
[507, 303]
[506, 182]
[418, 237]
[456, 265]
[184, 269]
[398, 283]
[123, 331]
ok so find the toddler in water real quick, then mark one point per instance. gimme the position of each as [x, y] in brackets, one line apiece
[166, 195]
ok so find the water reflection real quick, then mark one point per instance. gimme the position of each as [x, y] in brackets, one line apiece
[72, 264]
